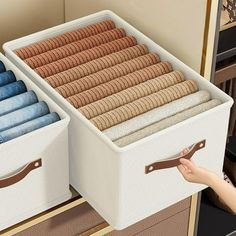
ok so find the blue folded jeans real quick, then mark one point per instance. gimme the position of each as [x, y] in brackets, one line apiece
[7, 77]
[23, 115]
[28, 127]
[2, 67]
[12, 89]
[17, 102]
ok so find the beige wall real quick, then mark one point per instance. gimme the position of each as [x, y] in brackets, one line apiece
[22, 17]
[177, 25]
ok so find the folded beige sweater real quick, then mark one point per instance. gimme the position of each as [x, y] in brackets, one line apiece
[130, 94]
[165, 123]
[118, 84]
[157, 114]
[144, 104]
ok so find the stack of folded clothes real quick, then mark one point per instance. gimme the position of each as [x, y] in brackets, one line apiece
[20, 110]
[125, 90]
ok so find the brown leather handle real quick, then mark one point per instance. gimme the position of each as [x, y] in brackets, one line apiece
[5, 182]
[175, 162]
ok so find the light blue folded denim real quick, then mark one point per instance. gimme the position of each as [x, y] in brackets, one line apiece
[23, 115]
[28, 127]
[7, 77]
[2, 67]
[17, 102]
[12, 89]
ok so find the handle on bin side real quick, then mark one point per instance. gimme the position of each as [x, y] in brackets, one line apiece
[5, 182]
[175, 162]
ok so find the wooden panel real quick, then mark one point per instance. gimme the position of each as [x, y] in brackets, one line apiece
[142, 225]
[74, 221]
[84, 220]
[176, 225]
[225, 74]
[175, 25]
[210, 46]
[193, 216]
[152, 220]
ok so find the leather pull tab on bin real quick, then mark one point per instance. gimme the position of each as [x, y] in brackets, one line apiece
[8, 181]
[175, 162]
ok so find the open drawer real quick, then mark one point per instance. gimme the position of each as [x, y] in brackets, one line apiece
[34, 173]
[128, 184]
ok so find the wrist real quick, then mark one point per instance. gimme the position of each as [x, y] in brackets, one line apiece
[212, 179]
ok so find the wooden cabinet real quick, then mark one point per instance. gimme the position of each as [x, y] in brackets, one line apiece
[84, 220]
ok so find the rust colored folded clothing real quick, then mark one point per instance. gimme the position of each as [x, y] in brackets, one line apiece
[167, 122]
[85, 56]
[118, 84]
[75, 47]
[96, 65]
[63, 39]
[107, 75]
[129, 95]
[144, 104]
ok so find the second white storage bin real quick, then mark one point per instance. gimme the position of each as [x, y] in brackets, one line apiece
[34, 172]
[127, 184]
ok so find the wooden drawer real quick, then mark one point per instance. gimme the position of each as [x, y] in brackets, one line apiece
[176, 225]
[155, 219]
[68, 223]
[83, 219]
[225, 74]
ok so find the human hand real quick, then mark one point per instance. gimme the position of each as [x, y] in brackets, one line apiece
[192, 173]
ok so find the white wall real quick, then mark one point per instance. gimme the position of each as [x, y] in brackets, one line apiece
[177, 25]
[22, 17]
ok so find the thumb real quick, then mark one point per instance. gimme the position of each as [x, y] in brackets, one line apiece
[187, 163]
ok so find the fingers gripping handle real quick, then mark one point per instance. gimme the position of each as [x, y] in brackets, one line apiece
[175, 162]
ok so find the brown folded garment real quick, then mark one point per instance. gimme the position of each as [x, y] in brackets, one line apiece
[108, 74]
[144, 104]
[96, 65]
[63, 39]
[118, 84]
[85, 56]
[75, 47]
[129, 95]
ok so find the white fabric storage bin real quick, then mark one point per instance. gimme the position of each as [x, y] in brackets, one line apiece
[34, 171]
[113, 179]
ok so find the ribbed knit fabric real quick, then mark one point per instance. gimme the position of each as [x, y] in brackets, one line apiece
[64, 39]
[165, 123]
[128, 95]
[75, 47]
[144, 104]
[85, 56]
[118, 84]
[107, 75]
[157, 114]
[96, 65]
